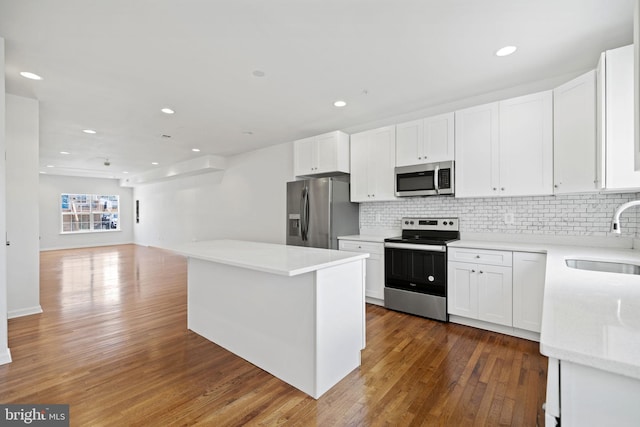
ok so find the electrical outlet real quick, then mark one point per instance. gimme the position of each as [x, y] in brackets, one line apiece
[378, 217]
[508, 218]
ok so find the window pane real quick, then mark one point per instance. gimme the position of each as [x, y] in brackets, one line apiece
[89, 212]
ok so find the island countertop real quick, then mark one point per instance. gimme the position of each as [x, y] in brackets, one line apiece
[272, 258]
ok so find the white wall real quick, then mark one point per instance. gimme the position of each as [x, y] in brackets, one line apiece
[52, 186]
[5, 354]
[247, 201]
[23, 255]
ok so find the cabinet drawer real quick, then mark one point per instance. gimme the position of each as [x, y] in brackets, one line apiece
[481, 256]
[359, 246]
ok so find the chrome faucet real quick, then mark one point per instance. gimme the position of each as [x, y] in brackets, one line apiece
[615, 223]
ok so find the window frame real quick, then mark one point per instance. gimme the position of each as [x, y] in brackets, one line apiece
[91, 211]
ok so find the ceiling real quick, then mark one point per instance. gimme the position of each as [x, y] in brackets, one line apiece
[112, 65]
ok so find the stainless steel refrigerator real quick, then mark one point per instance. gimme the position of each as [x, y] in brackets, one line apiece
[318, 211]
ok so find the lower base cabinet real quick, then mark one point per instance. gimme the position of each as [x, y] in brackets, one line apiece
[579, 395]
[496, 290]
[374, 282]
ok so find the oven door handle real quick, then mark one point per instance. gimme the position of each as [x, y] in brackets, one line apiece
[416, 247]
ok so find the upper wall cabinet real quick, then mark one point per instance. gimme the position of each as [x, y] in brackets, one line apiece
[324, 154]
[574, 135]
[425, 140]
[505, 148]
[615, 152]
[372, 165]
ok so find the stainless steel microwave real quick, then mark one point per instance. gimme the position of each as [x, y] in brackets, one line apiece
[429, 179]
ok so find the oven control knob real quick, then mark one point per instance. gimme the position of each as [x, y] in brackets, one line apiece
[444, 223]
[431, 278]
[411, 223]
[450, 222]
[406, 222]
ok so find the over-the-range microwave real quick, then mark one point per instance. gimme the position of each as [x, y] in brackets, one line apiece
[429, 179]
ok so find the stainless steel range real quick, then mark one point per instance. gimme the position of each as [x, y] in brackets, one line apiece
[415, 267]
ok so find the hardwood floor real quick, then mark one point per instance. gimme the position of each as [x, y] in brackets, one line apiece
[113, 344]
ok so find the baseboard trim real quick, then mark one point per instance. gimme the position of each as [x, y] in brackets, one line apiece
[507, 330]
[88, 245]
[24, 312]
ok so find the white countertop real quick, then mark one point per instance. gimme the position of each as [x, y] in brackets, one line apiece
[589, 317]
[267, 257]
[365, 238]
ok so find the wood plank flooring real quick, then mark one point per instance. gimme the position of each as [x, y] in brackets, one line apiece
[113, 344]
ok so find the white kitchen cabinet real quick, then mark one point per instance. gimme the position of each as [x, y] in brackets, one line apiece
[374, 282]
[579, 395]
[373, 155]
[323, 154]
[528, 290]
[480, 291]
[505, 148]
[616, 144]
[574, 135]
[477, 143]
[425, 140]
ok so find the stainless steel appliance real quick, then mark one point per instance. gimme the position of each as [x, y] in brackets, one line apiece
[318, 211]
[415, 267]
[429, 179]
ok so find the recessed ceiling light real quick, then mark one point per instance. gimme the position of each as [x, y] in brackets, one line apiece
[258, 73]
[89, 131]
[125, 172]
[42, 172]
[195, 150]
[505, 51]
[28, 75]
[65, 152]
[155, 163]
[339, 103]
[167, 110]
[50, 166]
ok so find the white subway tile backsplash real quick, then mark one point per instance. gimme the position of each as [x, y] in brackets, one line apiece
[575, 214]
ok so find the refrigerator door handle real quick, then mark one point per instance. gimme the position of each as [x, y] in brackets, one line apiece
[306, 213]
[304, 220]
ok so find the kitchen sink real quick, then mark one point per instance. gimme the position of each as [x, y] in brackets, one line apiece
[604, 266]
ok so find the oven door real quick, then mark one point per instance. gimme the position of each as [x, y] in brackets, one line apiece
[416, 268]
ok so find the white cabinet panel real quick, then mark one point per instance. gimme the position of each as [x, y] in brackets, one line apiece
[477, 138]
[373, 156]
[574, 135]
[480, 291]
[323, 154]
[505, 148]
[615, 110]
[526, 145]
[425, 140]
[409, 143]
[593, 397]
[462, 292]
[374, 283]
[528, 290]
[495, 294]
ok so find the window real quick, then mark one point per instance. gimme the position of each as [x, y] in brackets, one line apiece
[86, 213]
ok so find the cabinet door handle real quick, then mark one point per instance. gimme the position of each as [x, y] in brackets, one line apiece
[481, 271]
[473, 271]
[477, 256]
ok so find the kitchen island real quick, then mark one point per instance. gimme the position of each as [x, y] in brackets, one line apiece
[296, 312]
